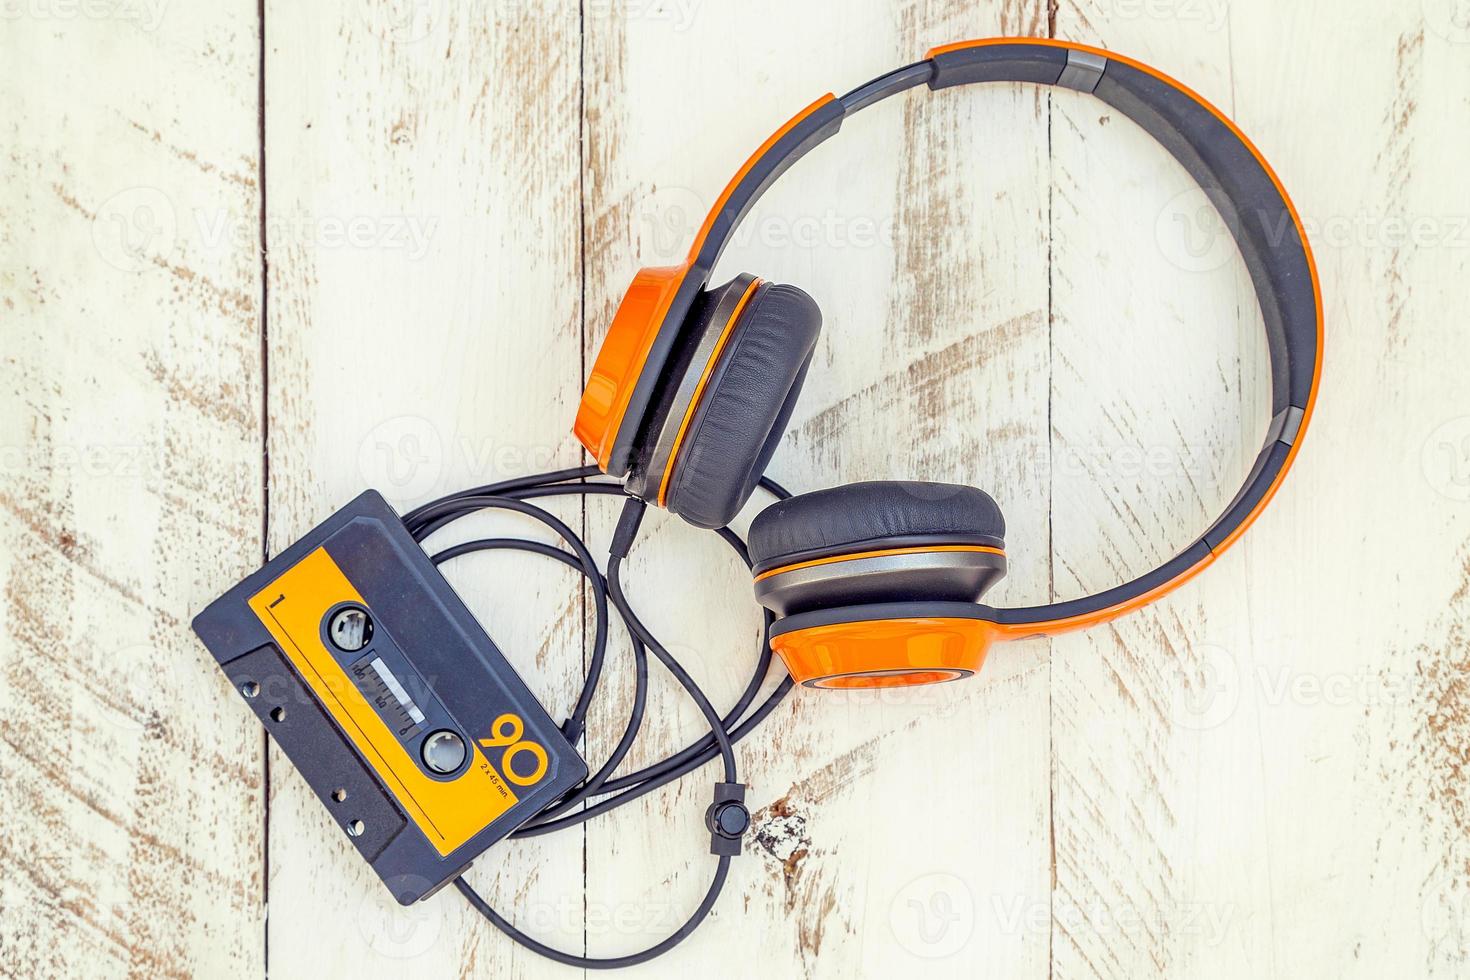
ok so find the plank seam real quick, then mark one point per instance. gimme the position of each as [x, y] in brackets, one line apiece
[265, 471]
[582, 365]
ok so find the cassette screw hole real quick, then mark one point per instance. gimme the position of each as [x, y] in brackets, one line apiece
[355, 828]
[278, 714]
[339, 795]
[250, 689]
[350, 629]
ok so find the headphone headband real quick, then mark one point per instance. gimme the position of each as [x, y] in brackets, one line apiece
[1225, 164]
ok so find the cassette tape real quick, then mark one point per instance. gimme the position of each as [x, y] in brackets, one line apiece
[385, 692]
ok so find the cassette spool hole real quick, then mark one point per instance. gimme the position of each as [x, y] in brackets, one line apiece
[350, 628]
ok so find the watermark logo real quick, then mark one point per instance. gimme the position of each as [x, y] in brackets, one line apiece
[146, 15]
[399, 932]
[402, 457]
[1207, 691]
[139, 227]
[1210, 14]
[666, 222]
[1445, 459]
[668, 218]
[144, 681]
[1193, 234]
[404, 21]
[677, 15]
[933, 916]
[408, 234]
[408, 457]
[135, 227]
[1450, 19]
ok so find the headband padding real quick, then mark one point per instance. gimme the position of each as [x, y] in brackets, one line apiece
[861, 516]
[743, 411]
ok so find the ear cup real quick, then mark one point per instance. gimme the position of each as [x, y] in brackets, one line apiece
[899, 644]
[701, 343]
[859, 516]
[881, 541]
[705, 460]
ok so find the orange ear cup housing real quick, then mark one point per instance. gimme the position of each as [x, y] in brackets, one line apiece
[877, 583]
[722, 398]
[886, 645]
[619, 364]
[685, 378]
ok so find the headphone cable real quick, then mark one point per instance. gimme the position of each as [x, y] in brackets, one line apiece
[607, 590]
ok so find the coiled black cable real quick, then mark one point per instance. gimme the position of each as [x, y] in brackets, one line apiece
[514, 495]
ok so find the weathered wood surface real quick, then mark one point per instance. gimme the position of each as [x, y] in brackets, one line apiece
[1261, 775]
[131, 788]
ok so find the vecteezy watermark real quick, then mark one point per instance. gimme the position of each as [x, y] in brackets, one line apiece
[396, 931]
[1211, 684]
[570, 914]
[1445, 459]
[1203, 466]
[411, 21]
[1193, 234]
[668, 218]
[134, 228]
[1206, 690]
[89, 461]
[665, 222]
[403, 21]
[1197, 232]
[407, 457]
[1450, 19]
[128, 465]
[402, 457]
[406, 233]
[677, 15]
[1211, 14]
[145, 14]
[143, 682]
[933, 916]
[140, 227]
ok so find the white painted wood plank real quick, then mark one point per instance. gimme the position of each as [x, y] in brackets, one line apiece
[1383, 735]
[1157, 359]
[437, 348]
[1252, 776]
[131, 806]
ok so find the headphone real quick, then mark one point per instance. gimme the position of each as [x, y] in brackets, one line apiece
[878, 584]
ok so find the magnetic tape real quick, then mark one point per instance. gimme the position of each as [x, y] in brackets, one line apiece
[388, 696]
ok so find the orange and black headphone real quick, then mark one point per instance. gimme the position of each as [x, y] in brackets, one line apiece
[879, 584]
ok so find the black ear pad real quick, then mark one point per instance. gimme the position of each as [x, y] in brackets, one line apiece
[683, 380]
[880, 542]
[745, 406]
[874, 515]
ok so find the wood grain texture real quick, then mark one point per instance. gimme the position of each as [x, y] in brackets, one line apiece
[131, 805]
[1234, 771]
[1260, 776]
[436, 348]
